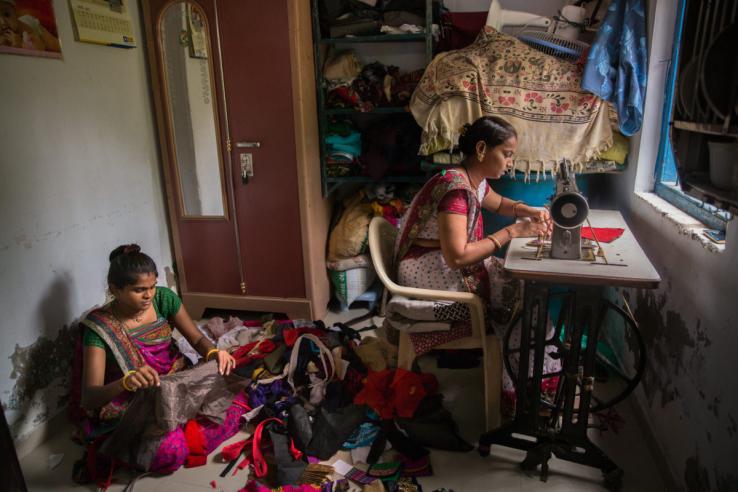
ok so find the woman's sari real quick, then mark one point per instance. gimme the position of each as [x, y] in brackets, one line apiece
[150, 344]
[426, 268]
[424, 208]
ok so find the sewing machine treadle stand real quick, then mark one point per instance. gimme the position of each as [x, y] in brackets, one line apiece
[545, 429]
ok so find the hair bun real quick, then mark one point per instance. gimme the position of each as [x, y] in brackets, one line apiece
[124, 249]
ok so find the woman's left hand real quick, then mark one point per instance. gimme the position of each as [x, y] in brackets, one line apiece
[539, 215]
[226, 362]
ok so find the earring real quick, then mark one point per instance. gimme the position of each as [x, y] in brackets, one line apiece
[480, 156]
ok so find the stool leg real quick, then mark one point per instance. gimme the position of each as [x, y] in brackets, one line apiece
[493, 382]
[405, 352]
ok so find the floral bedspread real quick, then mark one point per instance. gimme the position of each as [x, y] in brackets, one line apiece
[540, 95]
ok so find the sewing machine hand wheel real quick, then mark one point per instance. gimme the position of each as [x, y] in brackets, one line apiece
[604, 396]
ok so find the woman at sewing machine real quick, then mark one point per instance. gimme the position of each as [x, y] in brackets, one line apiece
[441, 243]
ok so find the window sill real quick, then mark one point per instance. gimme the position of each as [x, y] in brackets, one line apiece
[684, 223]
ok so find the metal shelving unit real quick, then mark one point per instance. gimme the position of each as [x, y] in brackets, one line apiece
[332, 183]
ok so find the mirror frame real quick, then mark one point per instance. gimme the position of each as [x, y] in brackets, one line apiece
[166, 106]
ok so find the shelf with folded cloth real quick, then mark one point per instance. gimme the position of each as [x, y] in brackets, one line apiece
[376, 110]
[336, 181]
[378, 38]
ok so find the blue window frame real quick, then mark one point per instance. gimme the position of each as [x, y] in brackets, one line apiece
[667, 181]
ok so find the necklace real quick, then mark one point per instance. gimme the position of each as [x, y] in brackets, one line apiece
[136, 317]
[471, 183]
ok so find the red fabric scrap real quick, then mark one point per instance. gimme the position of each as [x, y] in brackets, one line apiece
[604, 234]
[196, 444]
[397, 392]
[292, 334]
[245, 354]
[233, 451]
[409, 389]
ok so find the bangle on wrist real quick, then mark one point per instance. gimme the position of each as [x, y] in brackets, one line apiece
[515, 208]
[211, 352]
[509, 233]
[495, 241]
[124, 382]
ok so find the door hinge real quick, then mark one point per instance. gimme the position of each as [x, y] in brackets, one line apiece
[243, 287]
[228, 145]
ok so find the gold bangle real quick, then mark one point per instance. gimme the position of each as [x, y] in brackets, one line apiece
[515, 208]
[495, 241]
[211, 352]
[125, 378]
[509, 234]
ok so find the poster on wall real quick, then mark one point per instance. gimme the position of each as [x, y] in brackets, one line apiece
[106, 22]
[28, 27]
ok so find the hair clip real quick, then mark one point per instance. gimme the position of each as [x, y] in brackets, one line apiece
[464, 129]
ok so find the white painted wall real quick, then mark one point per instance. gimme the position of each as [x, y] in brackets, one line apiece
[688, 393]
[80, 175]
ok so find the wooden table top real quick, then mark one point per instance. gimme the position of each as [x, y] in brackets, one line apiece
[629, 266]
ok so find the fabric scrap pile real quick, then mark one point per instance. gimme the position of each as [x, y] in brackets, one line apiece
[309, 391]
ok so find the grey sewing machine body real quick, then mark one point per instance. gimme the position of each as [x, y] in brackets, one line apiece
[569, 211]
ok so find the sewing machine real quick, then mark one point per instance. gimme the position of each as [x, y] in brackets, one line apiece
[569, 211]
[545, 426]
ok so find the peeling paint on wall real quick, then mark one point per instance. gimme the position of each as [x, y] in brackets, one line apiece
[36, 366]
[673, 351]
[697, 477]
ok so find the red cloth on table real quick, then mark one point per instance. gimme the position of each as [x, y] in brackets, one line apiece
[604, 234]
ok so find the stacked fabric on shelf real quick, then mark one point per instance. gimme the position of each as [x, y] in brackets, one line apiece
[309, 391]
[343, 148]
[351, 85]
[341, 18]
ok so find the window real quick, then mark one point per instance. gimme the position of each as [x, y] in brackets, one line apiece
[698, 24]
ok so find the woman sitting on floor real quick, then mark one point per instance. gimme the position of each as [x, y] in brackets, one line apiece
[128, 346]
[441, 243]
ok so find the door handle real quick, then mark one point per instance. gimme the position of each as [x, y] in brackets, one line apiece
[248, 145]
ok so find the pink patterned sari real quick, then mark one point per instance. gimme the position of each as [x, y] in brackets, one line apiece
[150, 344]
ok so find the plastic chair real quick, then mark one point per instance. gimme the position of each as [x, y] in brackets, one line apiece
[381, 245]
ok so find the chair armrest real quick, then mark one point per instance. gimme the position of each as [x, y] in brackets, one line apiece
[438, 295]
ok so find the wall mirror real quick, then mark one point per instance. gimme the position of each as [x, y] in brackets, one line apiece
[190, 102]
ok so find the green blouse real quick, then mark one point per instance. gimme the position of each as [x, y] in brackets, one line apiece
[166, 304]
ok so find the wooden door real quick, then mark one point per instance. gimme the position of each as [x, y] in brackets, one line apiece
[256, 68]
[193, 140]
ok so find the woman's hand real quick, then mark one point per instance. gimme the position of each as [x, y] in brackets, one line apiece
[529, 228]
[144, 377]
[541, 215]
[535, 214]
[226, 362]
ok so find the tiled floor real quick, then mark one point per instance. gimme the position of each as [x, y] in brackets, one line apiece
[462, 472]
